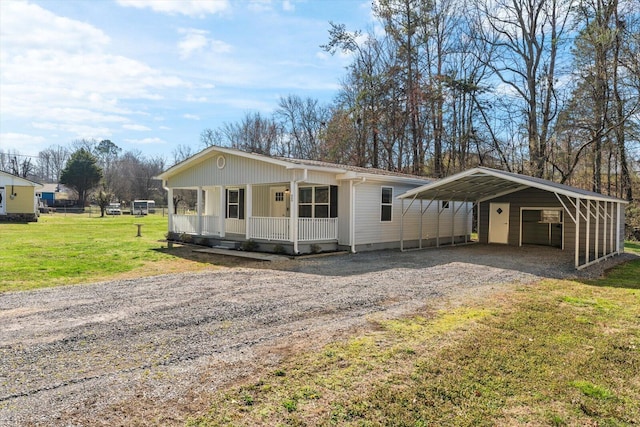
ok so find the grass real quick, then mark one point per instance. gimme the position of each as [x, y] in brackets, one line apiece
[558, 352]
[64, 249]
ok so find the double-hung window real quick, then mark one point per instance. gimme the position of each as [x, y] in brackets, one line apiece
[317, 202]
[235, 203]
[386, 203]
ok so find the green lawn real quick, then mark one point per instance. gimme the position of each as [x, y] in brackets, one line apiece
[77, 248]
[558, 353]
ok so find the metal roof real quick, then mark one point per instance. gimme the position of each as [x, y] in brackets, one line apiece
[481, 183]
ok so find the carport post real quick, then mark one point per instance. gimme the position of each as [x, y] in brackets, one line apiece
[402, 225]
[588, 232]
[618, 227]
[611, 228]
[577, 251]
[597, 228]
[420, 227]
[438, 204]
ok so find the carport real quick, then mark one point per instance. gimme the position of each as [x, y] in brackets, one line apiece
[515, 209]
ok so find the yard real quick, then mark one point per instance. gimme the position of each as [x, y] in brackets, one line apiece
[471, 335]
[62, 249]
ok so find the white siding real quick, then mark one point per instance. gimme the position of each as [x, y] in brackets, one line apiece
[344, 218]
[237, 171]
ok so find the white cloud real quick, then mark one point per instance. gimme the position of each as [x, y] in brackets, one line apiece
[145, 141]
[59, 74]
[136, 127]
[197, 41]
[191, 98]
[288, 6]
[191, 117]
[260, 6]
[22, 142]
[192, 8]
[28, 26]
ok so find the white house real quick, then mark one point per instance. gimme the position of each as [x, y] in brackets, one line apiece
[302, 206]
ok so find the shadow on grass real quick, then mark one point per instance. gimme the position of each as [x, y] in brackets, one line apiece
[187, 253]
[625, 275]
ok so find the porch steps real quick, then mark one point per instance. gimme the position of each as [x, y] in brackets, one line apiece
[243, 254]
[227, 244]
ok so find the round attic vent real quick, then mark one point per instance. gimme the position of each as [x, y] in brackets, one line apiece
[221, 161]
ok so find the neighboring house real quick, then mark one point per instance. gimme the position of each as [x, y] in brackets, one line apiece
[56, 195]
[18, 201]
[517, 210]
[301, 206]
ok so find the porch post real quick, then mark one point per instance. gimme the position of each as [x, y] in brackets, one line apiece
[611, 224]
[170, 207]
[199, 210]
[293, 224]
[223, 210]
[248, 208]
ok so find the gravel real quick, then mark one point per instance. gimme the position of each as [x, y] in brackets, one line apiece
[151, 349]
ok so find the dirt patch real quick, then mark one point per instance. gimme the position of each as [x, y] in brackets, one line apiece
[149, 351]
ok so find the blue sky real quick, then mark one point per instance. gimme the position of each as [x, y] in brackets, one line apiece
[152, 74]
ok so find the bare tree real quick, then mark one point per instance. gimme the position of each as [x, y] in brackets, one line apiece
[526, 37]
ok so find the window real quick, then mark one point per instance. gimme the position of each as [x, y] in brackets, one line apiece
[317, 202]
[235, 204]
[445, 204]
[550, 216]
[386, 204]
[279, 196]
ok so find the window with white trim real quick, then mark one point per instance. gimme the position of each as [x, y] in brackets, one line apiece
[386, 203]
[314, 202]
[233, 204]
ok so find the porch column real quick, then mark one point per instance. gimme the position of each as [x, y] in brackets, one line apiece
[223, 210]
[248, 208]
[170, 207]
[293, 217]
[199, 210]
[597, 230]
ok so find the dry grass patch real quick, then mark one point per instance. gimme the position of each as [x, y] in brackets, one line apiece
[554, 353]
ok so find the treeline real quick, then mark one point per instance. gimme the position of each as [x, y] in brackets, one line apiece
[549, 88]
[122, 176]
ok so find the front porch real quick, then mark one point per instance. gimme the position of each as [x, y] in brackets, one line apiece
[275, 215]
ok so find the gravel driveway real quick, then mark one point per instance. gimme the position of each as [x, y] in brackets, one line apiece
[95, 354]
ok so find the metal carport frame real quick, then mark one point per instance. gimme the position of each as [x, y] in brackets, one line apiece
[581, 206]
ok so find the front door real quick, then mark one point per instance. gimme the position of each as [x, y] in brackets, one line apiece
[278, 202]
[2, 201]
[499, 223]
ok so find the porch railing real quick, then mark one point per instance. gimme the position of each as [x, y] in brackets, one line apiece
[189, 224]
[235, 226]
[317, 229]
[269, 228]
[184, 223]
[263, 228]
[210, 225]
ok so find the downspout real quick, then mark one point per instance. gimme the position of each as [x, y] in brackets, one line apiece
[294, 209]
[352, 225]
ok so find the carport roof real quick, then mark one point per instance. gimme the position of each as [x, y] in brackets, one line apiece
[481, 183]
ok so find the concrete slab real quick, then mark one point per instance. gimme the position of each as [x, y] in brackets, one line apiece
[243, 254]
